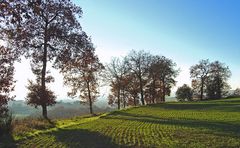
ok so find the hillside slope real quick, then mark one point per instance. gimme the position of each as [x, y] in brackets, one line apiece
[199, 124]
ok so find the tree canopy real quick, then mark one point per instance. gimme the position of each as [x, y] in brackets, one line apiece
[184, 93]
[140, 77]
[210, 79]
[81, 74]
[217, 85]
[199, 73]
[46, 32]
[7, 59]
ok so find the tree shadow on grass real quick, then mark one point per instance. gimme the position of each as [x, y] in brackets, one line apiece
[82, 138]
[222, 127]
[199, 106]
[7, 141]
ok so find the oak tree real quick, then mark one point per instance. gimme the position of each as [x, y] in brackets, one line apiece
[81, 73]
[161, 78]
[47, 30]
[199, 73]
[217, 85]
[132, 89]
[138, 63]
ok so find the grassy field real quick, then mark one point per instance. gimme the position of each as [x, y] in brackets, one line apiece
[197, 124]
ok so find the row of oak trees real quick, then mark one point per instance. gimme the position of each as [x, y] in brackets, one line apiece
[50, 35]
[140, 78]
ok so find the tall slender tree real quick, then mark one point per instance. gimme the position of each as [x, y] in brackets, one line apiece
[115, 73]
[47, 30]
[81, 75]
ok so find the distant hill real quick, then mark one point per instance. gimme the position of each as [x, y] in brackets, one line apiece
[62, 109]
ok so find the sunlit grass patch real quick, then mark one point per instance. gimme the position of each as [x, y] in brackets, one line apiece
[195, 124]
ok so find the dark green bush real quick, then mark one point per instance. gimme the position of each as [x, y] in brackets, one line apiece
[6, 123]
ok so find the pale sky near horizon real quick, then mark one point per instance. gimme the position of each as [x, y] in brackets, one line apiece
[185, 31]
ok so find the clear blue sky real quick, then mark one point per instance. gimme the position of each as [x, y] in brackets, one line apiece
[199, 28]
[184, 30]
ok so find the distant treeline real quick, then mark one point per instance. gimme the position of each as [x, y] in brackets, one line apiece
[61, 109]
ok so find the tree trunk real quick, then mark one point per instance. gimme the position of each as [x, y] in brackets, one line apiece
[118, 97]
[135, 102]
[43, 85]
[201, 91]
[219, 89]
[141, 90]
[90, 98]
[44, 111]
[164, 91]
[153, 102]
[124, 101]
[154, 93]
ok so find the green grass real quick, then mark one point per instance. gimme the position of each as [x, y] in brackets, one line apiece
[195, 124]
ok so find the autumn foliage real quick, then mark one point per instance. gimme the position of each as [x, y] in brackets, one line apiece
[81, 73]
[140, 78]
[43, 31]
[6, 78]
